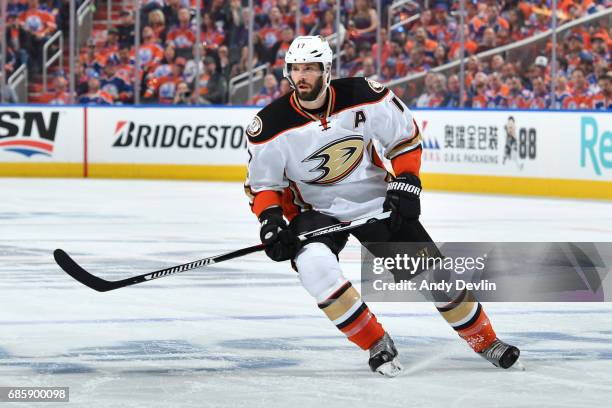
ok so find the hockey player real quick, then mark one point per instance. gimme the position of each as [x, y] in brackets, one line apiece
[313, 161]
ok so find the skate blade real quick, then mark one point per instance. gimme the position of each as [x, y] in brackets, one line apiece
[390, 369]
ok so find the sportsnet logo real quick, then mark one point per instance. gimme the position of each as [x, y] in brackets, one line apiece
[28, 133]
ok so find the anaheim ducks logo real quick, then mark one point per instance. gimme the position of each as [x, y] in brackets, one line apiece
[376, 86]
[254, 127]
[336, 160]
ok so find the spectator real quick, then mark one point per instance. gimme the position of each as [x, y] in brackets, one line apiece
[599, 48]
[438, 91]
[517, 94]
[268, 92]
[579, 91]
[95, 96]
[150, 50]
[183, 37]
[489, 41]
[163, 90]
[59, 94]
[218, 13]
[541, 94]
[125, 26]
[470, 45]
[211, 35]
[91, 61]
[40, 25]
[225, 65]
[216, 85]
[165, 65]
[278, 50]
[365, 21]
[516, 30]
[572, 56]
[192, 68]
[117, 86]
[17, 39]
[508, 70]
[349, 62]
[157, 22]
[328, 26]
[441, 32]
[271, 33]
[171, 12]
[111, 46]
[452, 99]
[81, 79]
[388, 73]
[385, 50]
[478, 98]
[425, 97]
[417, 61]
[497, 62]
[561, 92]
[439, 56]
[602, 100]
[183, 94]
[125, 63]
[237, 32]
[399, 57]
[368, 68]
[421, 41]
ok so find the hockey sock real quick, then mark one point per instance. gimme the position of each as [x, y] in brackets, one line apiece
[469, 320]
[352, 316]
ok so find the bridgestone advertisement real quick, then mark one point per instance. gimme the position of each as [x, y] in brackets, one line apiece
[195, 136]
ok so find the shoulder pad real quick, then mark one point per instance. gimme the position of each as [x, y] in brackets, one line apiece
[274, 119]
[357, 91]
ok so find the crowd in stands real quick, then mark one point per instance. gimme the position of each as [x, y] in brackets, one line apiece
[169, 73]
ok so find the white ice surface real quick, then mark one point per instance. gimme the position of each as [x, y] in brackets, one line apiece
[244, 333]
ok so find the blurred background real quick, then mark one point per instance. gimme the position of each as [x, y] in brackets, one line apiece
[535, 54]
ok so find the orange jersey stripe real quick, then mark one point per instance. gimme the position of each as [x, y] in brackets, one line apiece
[265, 199]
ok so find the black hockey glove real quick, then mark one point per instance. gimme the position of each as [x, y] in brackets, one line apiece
[281, 243]
[403, 199]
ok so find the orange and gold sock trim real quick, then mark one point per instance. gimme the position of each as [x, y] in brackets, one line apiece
[470, 321]
[352, 316]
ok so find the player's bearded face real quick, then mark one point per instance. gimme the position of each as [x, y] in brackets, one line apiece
[308, 91]
[308, 80]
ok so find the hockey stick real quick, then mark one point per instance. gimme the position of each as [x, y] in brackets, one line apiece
[101, 285]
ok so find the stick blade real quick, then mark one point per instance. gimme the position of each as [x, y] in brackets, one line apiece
[78, 273]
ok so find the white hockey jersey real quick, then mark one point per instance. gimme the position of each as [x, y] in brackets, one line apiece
[330, 162]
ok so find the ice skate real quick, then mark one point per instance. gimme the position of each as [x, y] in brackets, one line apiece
[501, 354]
[383, 357]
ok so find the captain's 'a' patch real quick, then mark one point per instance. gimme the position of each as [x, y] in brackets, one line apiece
[255, 127]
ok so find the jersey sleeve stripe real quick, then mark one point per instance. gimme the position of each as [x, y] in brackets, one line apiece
[408, 162]
[265, 199]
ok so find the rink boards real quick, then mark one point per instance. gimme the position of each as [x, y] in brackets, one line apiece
[548, 153]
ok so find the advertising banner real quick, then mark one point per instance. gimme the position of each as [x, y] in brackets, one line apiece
[523, 144]
[41, 141]
[190, 143]
[563, 154]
